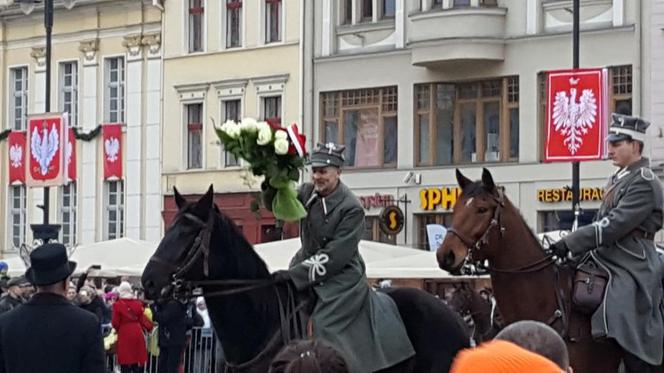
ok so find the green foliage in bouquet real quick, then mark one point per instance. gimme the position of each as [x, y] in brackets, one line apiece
[270, 152]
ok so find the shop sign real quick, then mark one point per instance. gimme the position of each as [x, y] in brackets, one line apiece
[445, 198]
[554, 195]
[377, 200]
[391, 220]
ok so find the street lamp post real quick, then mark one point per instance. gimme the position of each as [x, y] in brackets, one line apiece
[45, 232]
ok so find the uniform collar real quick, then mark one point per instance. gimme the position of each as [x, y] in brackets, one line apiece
[332, 200]
[643, 162]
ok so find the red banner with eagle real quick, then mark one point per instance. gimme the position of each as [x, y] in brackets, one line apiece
[112, 145]
[576, 115]
[16, 143]
[46, 140]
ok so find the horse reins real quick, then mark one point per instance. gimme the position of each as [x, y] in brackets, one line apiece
[289, 312]
[536, 266]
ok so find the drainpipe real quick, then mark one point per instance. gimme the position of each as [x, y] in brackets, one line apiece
[637, 104]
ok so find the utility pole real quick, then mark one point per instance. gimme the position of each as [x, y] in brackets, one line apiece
[576, 208]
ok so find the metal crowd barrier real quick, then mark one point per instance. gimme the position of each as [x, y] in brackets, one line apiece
[200, 355]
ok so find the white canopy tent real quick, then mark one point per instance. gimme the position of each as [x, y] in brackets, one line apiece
[120, 257]
[126, 256]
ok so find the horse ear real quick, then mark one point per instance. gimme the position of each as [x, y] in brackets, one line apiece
[207, 201]
[487, 180]
[462, 180]
[180, 202]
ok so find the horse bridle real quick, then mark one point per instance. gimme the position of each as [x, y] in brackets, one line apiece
[289, 311]
[471, 265]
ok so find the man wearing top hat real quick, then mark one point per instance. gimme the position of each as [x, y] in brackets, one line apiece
[49, 333]
[363, 324]
[621, 241]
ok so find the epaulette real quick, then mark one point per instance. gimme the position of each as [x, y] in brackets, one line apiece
[647, 174]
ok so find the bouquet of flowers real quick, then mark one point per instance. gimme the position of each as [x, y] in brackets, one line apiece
[272, 151]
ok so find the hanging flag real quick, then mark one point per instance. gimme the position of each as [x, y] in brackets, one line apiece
[16, 143]
[45, 142]
[576, 113]
[112, 144]
[71, 155]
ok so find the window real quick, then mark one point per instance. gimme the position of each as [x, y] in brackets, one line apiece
[365, 120]
[114, 210]
[196, 12]
[367, 10]
[270, 232]
[272, 21]
[114, 83]
[194, 115]
[347, 12]
[232, 110]
[372, 231]
[18, 219]
[233, 23]
[272, 109]
[68, 214]
[388, 8]
[621, 89]
[554, 220]
[461, 3]
[69, 90]
[467, 122]
[437, 4]
[444, 219]
[18, 97]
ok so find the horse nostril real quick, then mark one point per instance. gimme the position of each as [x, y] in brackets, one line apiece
[448, 261]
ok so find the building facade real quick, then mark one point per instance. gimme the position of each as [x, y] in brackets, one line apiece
[225, 60]
[417, 89]
[106, 68]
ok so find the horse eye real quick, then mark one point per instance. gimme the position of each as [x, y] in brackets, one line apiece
[482, 210]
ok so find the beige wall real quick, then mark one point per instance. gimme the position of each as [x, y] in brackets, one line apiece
[109, 22]
[203, 71]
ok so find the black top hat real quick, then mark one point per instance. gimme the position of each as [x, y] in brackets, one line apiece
[49, 264]
[625, 127]
[329, 154]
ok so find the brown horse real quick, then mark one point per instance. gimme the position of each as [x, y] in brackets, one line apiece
[488, 231]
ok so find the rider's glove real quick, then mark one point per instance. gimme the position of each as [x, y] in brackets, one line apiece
[281, 276]
[559, 249]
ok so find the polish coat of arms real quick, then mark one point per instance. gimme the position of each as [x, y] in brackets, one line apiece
[573, 117]
[112, 148]
[16, 155]
[44, 146]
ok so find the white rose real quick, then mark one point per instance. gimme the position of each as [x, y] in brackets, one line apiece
[226, 125]
[233, 130]
[262, 125]
[280, 146]
[248, 125]
[264, 135]
[281, 135]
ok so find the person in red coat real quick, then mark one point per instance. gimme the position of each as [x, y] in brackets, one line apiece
[129, 322]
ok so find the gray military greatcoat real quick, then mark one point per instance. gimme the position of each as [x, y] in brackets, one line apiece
[622, 239]
[362, 323]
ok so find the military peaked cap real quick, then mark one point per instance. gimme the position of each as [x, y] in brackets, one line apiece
[625, 127]
[329, 154]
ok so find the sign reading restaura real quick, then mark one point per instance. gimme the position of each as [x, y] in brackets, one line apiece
[577, 115]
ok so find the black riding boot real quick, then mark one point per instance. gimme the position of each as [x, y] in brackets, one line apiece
[635, 365]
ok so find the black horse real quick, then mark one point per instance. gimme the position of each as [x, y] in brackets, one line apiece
[204, 248]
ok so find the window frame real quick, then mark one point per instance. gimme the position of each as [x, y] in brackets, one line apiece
[72, 89]
[268, 6]
[190, 35]
[226, 156]
[263, 103]
[68, 191]
[340, 111]
[120, 85]
[190, 128]
[479, 101]
[118, 207]
[383, 7]
[226, 29]
[21, 212]
[23, 94]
